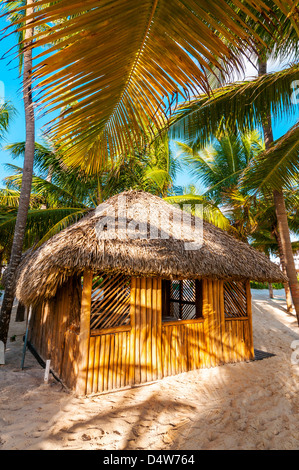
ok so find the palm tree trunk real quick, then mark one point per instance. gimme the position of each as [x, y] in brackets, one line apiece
[17, 246]
[1, 264]
[286, 244]
[281, 213]
[283, 267]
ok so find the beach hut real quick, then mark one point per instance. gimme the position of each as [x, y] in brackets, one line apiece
[138, 290]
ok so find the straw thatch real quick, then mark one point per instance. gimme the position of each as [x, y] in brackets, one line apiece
[84, 245]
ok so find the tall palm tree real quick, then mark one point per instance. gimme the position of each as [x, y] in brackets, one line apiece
[245, 106]
[115, 87]
[281, 42]
[121, 86]
[69, 194]
[20, 225]
[281, 213]
[218, 168]
[7, 112]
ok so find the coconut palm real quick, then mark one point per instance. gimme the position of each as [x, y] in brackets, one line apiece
[21, 219]
[219, 168]
[61, 195]
[7, 113]
[245, 106]
[280, 43]
[113, 86]
[125, 84]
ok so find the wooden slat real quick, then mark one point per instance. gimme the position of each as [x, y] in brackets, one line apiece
[249, 313]
[137, 331]
[111, 363]
[230, 341]
[132, 336]
[108, 331]
[106, 362]
[127, 379]
[113, 309]
[117, 358]
[143, 333]
[96, 364]
[149, 314]
[154, 331]
[235, 299]
[101, 363]
[90, 374]
[211, 324]
[159, 327]
[206, 322]
[84, 333]
[183, 322]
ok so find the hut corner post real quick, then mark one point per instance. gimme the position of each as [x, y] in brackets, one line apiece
[249, 314]
[84, 333]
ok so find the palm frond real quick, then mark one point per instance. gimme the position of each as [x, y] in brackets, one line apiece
[277, 167]
[41, 224]
[68, 219]
[116, 67]
[210, 211]
[239, 107]
[7, 114]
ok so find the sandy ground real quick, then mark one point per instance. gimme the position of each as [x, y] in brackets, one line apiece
[253, 405]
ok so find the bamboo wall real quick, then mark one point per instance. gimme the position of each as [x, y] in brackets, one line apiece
[54, 331]
[143, 351]
[148, 349]
[131, 354]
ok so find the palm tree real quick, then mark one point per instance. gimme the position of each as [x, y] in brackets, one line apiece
[121, 86]
[7, 112]
[21, 219]
[281, 42]
[279, 202]
[68, 194]
[114, 88]
[267, 237]
[245, 106]
[219, 168]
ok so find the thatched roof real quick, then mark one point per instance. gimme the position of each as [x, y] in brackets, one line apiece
[160, 252]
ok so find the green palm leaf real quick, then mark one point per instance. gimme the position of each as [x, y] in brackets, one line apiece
[210, 211]
[240, 107]
[276, 168]
[112, 65]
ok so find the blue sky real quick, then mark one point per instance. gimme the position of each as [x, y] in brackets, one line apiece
[12, 83]
[9, 76]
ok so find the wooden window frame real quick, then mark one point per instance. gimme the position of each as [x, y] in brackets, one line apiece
[235, 300]
[166, 301]
[109, 295]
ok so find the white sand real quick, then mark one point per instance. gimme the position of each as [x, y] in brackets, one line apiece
[252, 405]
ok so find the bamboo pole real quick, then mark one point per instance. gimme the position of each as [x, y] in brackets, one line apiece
[249, 314]
[84, 333]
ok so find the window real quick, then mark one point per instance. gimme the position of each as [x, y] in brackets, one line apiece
[110, 301]
[182, 299]
[235, 301]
